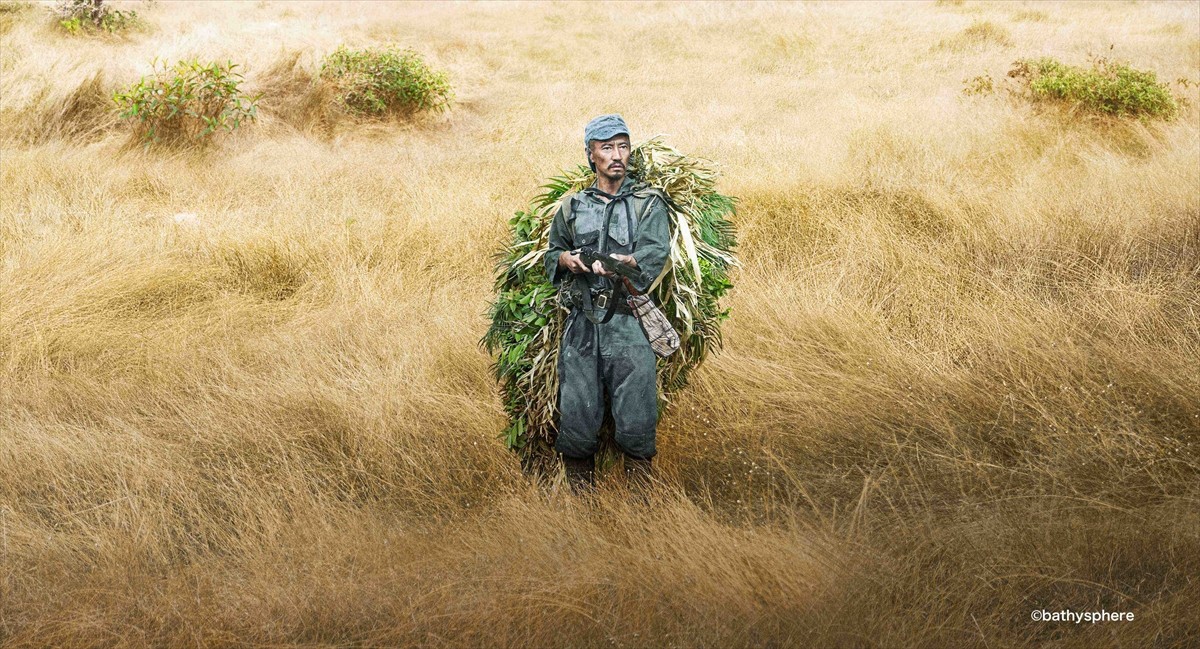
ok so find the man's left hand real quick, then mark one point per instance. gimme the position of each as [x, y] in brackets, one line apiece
[625, 258]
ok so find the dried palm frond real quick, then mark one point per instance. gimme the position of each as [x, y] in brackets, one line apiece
[527, 322]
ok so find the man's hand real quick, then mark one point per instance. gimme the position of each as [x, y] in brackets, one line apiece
[575, 264]
[625, 258]
[572, 262]
[600, 270]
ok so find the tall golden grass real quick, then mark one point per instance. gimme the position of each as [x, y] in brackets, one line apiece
[243, 403]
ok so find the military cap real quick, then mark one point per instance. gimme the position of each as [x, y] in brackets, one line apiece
[603, 128]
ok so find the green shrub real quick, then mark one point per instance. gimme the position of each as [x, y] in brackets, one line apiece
[385, 80]
[187, 102]
[77, 16]
[1108, 87]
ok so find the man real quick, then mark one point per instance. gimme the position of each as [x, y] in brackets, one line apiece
[604, 352]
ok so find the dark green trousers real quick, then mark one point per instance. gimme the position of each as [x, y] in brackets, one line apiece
[601, 366]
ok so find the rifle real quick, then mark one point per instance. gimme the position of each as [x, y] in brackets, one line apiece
[663, 338]
[590, 256]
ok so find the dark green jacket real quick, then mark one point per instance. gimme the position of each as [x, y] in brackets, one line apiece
[638, 226]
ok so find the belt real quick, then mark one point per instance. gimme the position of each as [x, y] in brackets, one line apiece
[619, 302]
[591, 301]
[618, 306]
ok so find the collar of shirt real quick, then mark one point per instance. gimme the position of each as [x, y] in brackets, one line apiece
[626, 187]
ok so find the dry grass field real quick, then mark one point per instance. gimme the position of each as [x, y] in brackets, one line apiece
[959, 382]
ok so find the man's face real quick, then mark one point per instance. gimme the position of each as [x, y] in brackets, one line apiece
[611, 156]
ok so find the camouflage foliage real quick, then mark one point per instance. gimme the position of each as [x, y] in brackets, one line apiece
[527, 322]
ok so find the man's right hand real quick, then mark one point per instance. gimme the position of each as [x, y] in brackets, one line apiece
[572, 262]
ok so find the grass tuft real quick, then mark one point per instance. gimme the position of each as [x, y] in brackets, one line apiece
[978, 36]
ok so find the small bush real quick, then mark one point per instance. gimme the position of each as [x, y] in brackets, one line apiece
[1108, 87]
[187, 102]
[77, 16]
[385, 80]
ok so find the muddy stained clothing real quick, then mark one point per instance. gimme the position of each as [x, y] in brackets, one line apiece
[608, 364]
[626, 374]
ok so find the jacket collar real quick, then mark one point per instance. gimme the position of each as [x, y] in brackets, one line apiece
[628, 185]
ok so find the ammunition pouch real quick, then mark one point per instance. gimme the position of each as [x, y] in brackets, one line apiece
[575, 293]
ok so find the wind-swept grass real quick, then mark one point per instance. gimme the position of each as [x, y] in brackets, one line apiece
[242, 401]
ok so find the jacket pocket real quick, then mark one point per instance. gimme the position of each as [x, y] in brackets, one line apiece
[587, 239]
[588, 217]
[620, 229]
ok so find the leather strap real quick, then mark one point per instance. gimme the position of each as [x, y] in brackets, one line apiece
[588, 309]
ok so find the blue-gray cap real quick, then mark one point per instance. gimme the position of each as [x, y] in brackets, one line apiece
[603, 128]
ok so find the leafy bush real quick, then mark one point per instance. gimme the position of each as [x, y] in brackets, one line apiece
[385, 80]
[1108, 87]
[91, 15]
[187, 102]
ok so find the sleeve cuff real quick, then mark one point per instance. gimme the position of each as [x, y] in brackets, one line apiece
[553, 270]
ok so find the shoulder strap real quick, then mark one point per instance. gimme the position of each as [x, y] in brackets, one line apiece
[568, 203]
